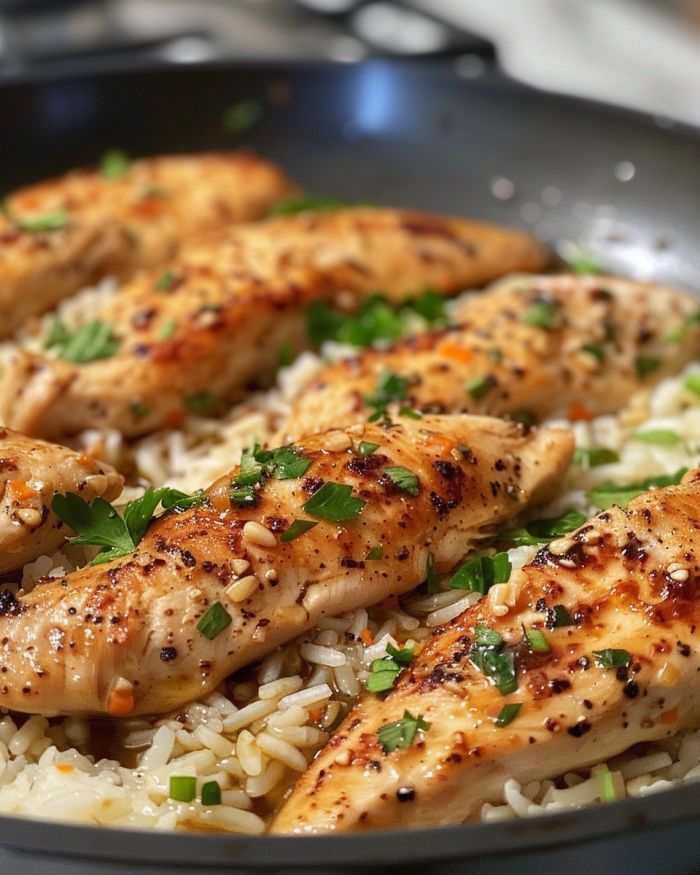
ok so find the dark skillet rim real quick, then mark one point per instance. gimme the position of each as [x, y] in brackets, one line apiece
[39, 839]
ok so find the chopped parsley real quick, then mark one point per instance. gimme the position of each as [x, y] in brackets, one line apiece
[540, 314]
[284, 463]
[692, 384]
[211, 793]
[595, 350]
[481, 573]
[431, 578]
[165, 281]
[612, 658]
[375, 554]
[138, 408]
[582, 263]
[334, 502]
[99, 524]
[661, 437]
[298, 527]
[593, 457]
[479, 387]
[608, 494]
[241, 116]
[680, 333]
[508, 713]
[291, 206]
[213, 621]
[285, 354]
[493, 662]
[167, 329]
[203, 404]
[537, 641]
[91, 342]
[561, 617]
[645, 365]
[366, 448]
[385, 671]
[403, 479]
[114, 164]
[543, 531]
[391, 387]
[54, 220]
[401, 733]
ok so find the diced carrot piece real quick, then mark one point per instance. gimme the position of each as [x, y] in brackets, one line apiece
[439, 440]
[579, 412]
[670, 716]
[456, 352]
[21, 490]
[366, 637]
[120, 703]
[85, 460]
[67, 768]
[315, 714]
[174, 418]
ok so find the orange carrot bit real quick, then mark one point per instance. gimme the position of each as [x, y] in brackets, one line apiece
[456, 352]
[315, 714]
[21, 490]
[668, 717]
[366, 637]
[444, 444]
[577, 412]
[66, 768]
[120, 703]
[174, 418]
[85, 460]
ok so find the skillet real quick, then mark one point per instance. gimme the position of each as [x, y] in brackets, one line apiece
[624, 187]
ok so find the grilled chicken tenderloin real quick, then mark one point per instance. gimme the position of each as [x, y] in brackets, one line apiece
[126, 637]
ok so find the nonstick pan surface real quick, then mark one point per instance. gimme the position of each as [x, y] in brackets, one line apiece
[625, 187]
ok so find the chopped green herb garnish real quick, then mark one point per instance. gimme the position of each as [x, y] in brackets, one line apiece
[593, 457]
[681, 332]
[214, 621]
[243, 496]
[168, 328]
[403, 479]
[211, 793]
[540, 314]
[645, 365]
[241, 116]
[139, 409]
[657, 437]
[285, 354]
[430, 305]
[334, 502]
[612, 658]
[182, 788]
[288, 463]
[203, 404]
[284, 463]
[386, 671]
[486, 637]
[366, 448]
[543, 531]
[91, 342]
[537, 641]
[488, 656]
[165, 281]
[508, 713]
[692, 384]
[583, 263]
[608, 494]
[481, 573]
[391, 387]
[375, 554]
[431, 578]
[595, 350]
[298, 527]
[479, 387]
[114, 164]
[401, 733]
[562, 617]
[51, 221]
[496, 355]
[173, 499]
[410, 413]
[305, 204]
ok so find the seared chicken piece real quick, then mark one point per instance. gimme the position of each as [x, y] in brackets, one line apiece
[622, 670]
[218, 586]
[196, 333]
[63, 234]
[31, 472]
[530, 346]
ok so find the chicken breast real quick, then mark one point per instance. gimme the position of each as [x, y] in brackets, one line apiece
[194, 335]
[529, 347]
[217, 586]
[61, 235]
[618, 667]
[31, 473]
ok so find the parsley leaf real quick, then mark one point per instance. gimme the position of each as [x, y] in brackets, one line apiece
[543, 531]
[385, 671]
[645, 365]
[298, 527]
[203, 404]
[89, 343]
[612, 658]
[391, 387]
[592, 457]
[657, 437]
[541, 313]
[403, 479]
[114, 164]
[481, 573]
[608, 494]
[497, 665]
[508, 713]
[291, 206]
[366, 448]
[479, 387]
[51, 221]
[334, 502]
[401, 733]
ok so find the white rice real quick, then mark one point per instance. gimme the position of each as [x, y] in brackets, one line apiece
[255, 735]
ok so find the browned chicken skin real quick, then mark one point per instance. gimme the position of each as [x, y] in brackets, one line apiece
[31, 473]
[113, 226]
[629, 579]
[535, 346]
[123, 637]
[214, 319]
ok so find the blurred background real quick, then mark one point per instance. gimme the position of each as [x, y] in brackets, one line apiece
[643, 54]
